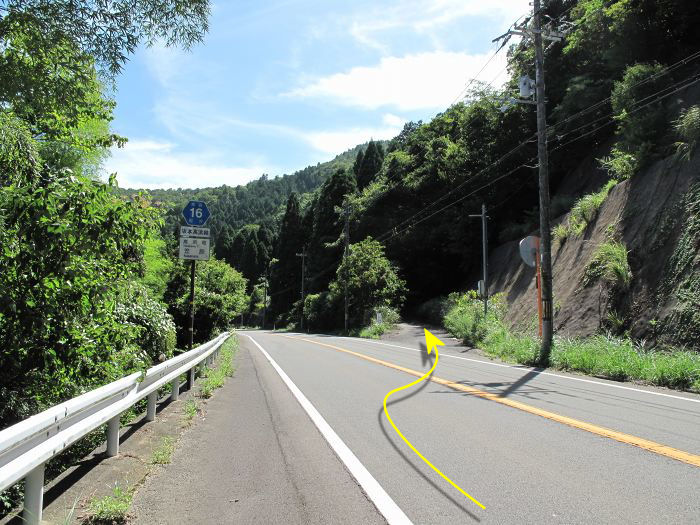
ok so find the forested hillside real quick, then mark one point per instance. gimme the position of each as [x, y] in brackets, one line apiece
[616, 87]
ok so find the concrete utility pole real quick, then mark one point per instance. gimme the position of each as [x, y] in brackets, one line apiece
[264, 299]
[485, 247]
[534, 32]
[345, 255]
[303, 271]
[545, 227]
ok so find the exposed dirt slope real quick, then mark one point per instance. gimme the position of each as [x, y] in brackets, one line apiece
[657, 215]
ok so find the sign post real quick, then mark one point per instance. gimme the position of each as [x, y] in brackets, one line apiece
[194, 246]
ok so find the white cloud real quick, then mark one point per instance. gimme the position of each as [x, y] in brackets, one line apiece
[427, 18]
[393, 120]
[151, 164]
[420, 81]
[335, 142]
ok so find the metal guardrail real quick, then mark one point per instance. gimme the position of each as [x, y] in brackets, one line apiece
[27, 446]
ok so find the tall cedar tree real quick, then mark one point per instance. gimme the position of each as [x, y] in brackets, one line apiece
[371, 164]
[325, 249]
[286, 273]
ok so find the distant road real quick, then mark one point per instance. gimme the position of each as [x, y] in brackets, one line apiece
[523, 467]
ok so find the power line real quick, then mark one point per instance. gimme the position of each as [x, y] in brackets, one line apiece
[460, 199]
[460, 185]
[612, 120]
[668, 69]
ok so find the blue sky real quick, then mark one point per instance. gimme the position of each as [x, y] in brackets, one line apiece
[279, 85]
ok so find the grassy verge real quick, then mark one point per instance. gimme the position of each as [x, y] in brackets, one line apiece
[216, 377]
[602, 355]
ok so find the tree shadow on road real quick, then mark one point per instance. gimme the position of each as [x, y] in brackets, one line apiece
[426, 359]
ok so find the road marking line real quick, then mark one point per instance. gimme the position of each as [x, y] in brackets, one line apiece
[651, 446]
[426, 375]
[529, 368]
[385, 505]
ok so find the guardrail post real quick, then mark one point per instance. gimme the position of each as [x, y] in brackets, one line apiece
[33, 496]
[151, 408]
[190, 377]
[113, 436]
[175, 393]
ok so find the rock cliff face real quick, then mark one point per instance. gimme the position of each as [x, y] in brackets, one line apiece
[656, 214]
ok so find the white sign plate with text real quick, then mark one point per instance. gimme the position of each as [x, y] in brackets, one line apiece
[194, 248]
[193, 231]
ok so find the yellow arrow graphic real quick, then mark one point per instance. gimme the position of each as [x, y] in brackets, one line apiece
[430, 342]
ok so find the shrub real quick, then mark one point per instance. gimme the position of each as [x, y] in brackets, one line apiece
[219, 298]
[688, 129]
[609, 263]
[389, 318]
[639, 131]
[619, 164]
[152, 326]
[466, 319]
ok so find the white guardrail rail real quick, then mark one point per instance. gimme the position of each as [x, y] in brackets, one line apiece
[27, 446]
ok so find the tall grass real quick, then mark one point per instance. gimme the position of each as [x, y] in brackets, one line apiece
[609, 263]
[688, 129]
[623, 359]
[601, 355]
[582, 213]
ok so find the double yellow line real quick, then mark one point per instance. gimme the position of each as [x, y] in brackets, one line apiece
[651, 446]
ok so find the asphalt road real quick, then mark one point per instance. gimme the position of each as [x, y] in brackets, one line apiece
[524, 468]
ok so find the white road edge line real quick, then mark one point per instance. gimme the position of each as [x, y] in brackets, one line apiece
[520, 367]
[385, 505]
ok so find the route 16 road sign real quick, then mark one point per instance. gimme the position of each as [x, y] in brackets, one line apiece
[196, 213]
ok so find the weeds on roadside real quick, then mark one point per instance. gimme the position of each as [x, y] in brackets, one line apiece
[389, 318]
[601, 355]
[164, 452]
[190, 410]
[217, 376]
[110, 509]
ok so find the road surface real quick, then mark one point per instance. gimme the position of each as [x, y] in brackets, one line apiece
[523, 467]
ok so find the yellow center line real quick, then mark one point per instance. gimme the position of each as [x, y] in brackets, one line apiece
[651, 446]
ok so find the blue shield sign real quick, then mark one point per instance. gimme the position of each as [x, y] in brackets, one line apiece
[196, 213]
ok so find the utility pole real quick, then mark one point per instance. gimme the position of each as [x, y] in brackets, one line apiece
[303, 271]
[545, 227]
[485, 263]
[533, 32]
[192, 272]
[264, 299]
[345, 256]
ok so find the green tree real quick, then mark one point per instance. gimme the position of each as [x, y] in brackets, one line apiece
[371, 281]
[358, 162]
[110, 31]
[325, 247]
[220, 296]
[69, 247]
[371, 164]
[285, 274]
[640, 130]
